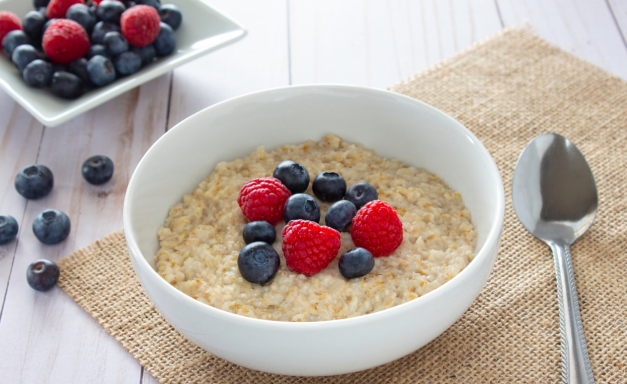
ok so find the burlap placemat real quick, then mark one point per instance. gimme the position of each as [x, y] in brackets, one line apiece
[507, 90]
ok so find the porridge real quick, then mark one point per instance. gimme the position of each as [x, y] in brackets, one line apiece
[202, 237]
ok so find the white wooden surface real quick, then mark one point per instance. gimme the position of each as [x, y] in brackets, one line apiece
[46, 337]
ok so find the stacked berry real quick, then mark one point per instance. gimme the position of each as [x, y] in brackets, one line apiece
[72, 46]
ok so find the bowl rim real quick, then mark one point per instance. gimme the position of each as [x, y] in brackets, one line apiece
[492, 240]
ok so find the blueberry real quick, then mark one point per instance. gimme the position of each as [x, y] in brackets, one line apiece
[93, 8]
[259, 231]
[110, 11]
[66, 85]
[43, 11]
[101, 70]
[115, 43]
[14, 39]
[40, 3]
[156, 4]
[293, 175]
[97, 49]
[33, 24]
[340, 215]
[34, 181]
[101, 29]
[37, 74]
[129, 4]
[79, 68]
[42, 275]
[127, 63]
[97, 169]
[171, 15]
[361, 194]
[8, 229]
[56, 67]
[51, 226]
[81, 14]
[301, 207]
[329, 186]
[165, 41]
[23, 55]
[258, 262]
[146, 53]
[357, 262]
[48, 23]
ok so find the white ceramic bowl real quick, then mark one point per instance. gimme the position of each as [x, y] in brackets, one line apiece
[394, 125]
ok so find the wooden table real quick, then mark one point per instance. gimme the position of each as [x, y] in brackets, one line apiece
[46, 337]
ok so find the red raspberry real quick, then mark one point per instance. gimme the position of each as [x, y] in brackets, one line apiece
[309, 247]
[57, 8]
[65, 41]
[140, 25]
[8, 23]
[377, 228]
[263, 199]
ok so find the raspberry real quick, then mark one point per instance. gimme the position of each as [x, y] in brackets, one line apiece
[263, 199]
[8, 23]
[377, 228]
[309, 247]
[57, 8]
[140, 25]
[65, 41]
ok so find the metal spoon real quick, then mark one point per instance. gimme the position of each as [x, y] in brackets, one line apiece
[555, 198]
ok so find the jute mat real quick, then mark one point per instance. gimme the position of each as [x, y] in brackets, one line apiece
[507, 90]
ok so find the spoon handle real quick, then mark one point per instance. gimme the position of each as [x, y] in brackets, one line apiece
[575, 361]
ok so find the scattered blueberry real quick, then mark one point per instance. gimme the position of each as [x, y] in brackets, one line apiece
[301, 207]
[340, 215]
[37, 74]
[97, 49]
[110, 11]
[23, 55]
[81, 14]
[66, 85]
[34, 181]
[42, 275]
[101, 29]
[153, 3]
[357, 262]
[171, 15]
[329, 186]
[14, 39]
[293, 175]
[40, 3]
[33, 24]
[79, 68]
[361, 194]
[165, 41]
[51, 226]
[97, 169]
[115, 43]
[127, 63]
[258, 262]
[48, 23]
[59, 68]
[259, 231]
[8, 229]
[101, 70]
[147, 53]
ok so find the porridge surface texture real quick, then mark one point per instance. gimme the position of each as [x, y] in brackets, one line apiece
[202, 236]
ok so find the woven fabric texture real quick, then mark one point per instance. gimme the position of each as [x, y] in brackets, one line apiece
[507, 90]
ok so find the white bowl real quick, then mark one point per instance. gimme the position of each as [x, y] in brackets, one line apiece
[203, 30]
[394, 125]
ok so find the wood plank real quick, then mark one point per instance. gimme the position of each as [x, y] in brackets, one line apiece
[619, 10]
[584, 28]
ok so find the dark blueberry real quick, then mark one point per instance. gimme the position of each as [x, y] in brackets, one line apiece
[115, 43]
[361, 194]
[51, 226]
[329, 186]
[97, 49]
[171, 15]
[147, 53]
[56, 67]
[43, 11]
[48, 23]
[42, 275]
[8, 229]
[357, 262]
[293, 175]
[93, 8]
[165, 41]
[97, 169]
[259, 231]
[101, 29]
[129, 4]
[34, 181]
[79, 68]
[66, 85]
[81, 14]
[340, 215]
[258, 262]
[40, 3]
[101, 70]
[110, 11]
[37, 74]
[14, 39]
[127, 63]
[156, 4]
[301, 207]
[33, 24]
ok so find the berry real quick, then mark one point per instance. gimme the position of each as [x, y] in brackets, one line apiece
[37, 74]
[156, 4]
[259, 231]
[110, 11]
[171, 15]
[97, 49]
[329, 186]
[47, 25]
[357, 262]
[66, 85]
[360, 194]
[377, 228]
[309, 247]
[40, 3]
[58, 8]
[101, 70]
[263, 199]
[165, 41]
[81, 14]
[140, 25]
[13, 40]
[59, 68]
[8, 22]
[51, 226]
[293, 175]
[23, 55]
[8, 229]
[258, 262]
[129, 4]
[100, 30]
[97, 169]
[33, 24]
[34, 181]
[340, 215]
[115, 43]
[79, 68]
[65, 41]
[147, 53]
[127, 63]
[42, 275]
[301, 207]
